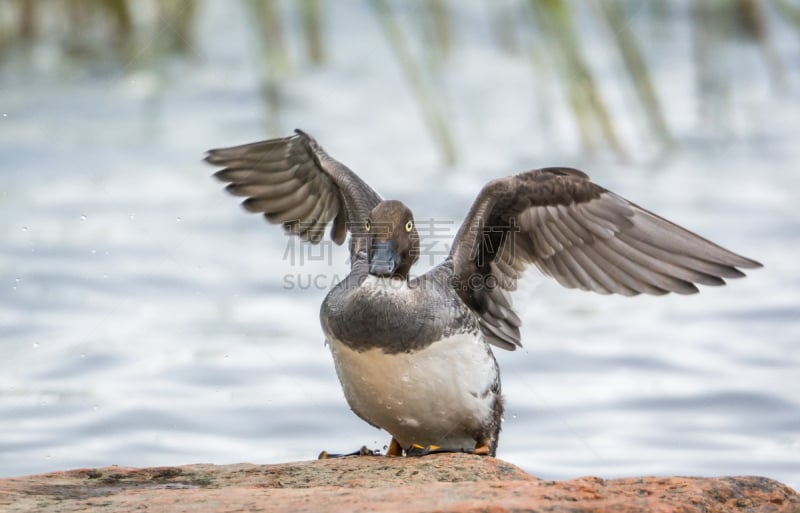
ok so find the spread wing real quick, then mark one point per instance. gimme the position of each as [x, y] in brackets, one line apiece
[293, 182]
[582, 235]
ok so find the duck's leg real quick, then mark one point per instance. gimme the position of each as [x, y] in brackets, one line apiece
[364, 451]
[419, 450]
[483, 447]
[394, 448]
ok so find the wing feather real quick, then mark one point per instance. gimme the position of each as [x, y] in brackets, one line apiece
[582, 235]
[292, 181]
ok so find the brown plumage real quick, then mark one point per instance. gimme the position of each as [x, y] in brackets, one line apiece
[381, 319]
[293, 182]
[582, 235]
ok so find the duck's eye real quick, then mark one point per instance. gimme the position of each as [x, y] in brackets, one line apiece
[409, 225]
[367, 225]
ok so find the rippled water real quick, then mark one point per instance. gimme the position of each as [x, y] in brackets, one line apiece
[145, 320]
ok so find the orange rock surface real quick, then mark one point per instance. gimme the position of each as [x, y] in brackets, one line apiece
[442, 483]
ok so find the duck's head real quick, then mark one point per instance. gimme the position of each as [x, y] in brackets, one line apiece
[392, 239]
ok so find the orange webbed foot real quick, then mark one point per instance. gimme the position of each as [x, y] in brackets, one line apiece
[483, 447]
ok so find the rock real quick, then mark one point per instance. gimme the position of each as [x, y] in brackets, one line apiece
[444, 482]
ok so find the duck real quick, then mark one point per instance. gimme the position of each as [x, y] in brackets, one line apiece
[414, 353]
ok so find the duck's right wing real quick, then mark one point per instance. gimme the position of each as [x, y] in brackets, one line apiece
[293, 182]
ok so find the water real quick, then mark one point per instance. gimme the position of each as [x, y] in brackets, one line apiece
[146, 320]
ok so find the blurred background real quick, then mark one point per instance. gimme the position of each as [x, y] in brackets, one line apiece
[146, 320]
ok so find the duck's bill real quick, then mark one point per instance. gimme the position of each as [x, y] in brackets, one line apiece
[383, 257]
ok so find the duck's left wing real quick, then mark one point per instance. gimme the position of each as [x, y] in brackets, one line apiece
[582, 235]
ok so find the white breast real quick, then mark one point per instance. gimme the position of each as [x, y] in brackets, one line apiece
[439, 395]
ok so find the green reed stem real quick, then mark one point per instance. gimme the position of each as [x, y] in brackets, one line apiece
[585, 98]
[428, 103]
[637, 67]
[313, 14]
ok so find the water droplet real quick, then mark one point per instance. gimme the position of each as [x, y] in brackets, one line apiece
[105, 275]
[83, 217]
[36, 345]
[132, 217]
[16, 280]
[5, 115]
[93, 252]
[227, 356]
[178, 219]
[24, 228]
[95, 407]
[83, 355]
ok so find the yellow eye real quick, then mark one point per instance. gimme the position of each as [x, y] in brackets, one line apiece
[367, 225]
[409, 225]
